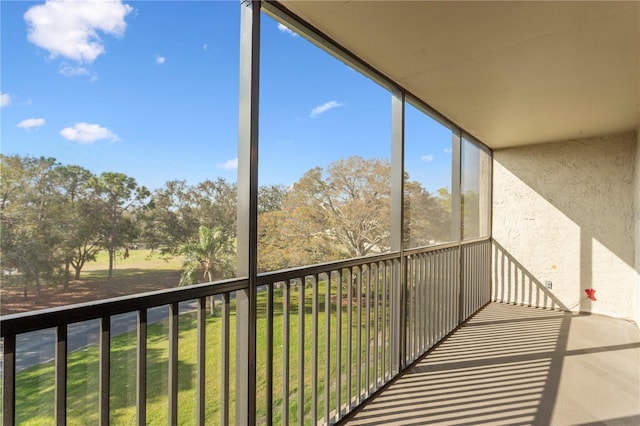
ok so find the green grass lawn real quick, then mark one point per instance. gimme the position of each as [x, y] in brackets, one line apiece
[35, 386]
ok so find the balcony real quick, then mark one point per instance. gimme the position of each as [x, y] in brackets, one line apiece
[410, 336]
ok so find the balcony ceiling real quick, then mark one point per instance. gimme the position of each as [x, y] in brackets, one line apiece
[510, 73]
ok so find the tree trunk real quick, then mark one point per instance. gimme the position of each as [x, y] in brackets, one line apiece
[111, 255]
[67, 267]
[37, 299]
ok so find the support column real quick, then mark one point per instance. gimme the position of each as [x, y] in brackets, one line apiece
[247, 243]
[398, 317]
[456, 182]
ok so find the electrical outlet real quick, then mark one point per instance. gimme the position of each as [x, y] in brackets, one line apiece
[548, 284]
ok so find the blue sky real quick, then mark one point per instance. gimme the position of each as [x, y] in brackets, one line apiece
[150, 89]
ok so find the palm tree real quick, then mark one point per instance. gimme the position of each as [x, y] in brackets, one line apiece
[211, 255]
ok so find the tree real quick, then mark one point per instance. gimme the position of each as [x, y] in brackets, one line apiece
[352, 202]
[345, 212]
[118, 194]
[176, 212]
[29, 219]
[271, 197]
[211, 256]
[81, 219]
[427, 220]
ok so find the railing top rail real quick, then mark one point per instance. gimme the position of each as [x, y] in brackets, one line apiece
[305, 271]
[437, 247]
[427, 249]
[46, 318]
[475, 240]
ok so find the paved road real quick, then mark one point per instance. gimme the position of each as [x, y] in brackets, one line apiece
[38, 347]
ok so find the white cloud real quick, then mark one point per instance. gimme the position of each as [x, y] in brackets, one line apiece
[73, 71]
[160, 59]
[324, 108]
[70, 28]
[31, 123]
[228, 165]
[427, 158]
[5, 99]
[448, 150]
[88, 133]
[284, 29]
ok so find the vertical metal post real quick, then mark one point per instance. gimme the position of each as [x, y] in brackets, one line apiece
[327, 348]
[349, 336]
[314, 353]
[61, 374]
[301, 375]
[201, 358]
[338, 344]
[225, 362]
[9, 381]
[269, 354]
[397, 227]
[173, 364]
[141, 369]
[368, 336]
[384, 321]
[286, 348]
[376, 322]
[359, 336]
[105, 368]
[247, 225]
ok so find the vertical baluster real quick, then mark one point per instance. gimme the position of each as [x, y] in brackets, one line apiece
[314, 355]
[425, 301]
[376, 324]
[414, 307]
[327, 349]
[61, 374]
[105, 368]
[225, 362]
[201, 358]
[420, 312]
[450, 309]
[173, 363]
[359, 335]
[286, 347]
[384, 321]
[439, 294]
[338, 344]
[301, 314]
[269, 354]
[349, 298]
[368, 336]
[9, 380]
[447, 290]
[141, 369]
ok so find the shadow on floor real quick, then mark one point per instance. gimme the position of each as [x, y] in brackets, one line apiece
[519, 365]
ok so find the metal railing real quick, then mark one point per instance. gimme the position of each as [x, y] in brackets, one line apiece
[329, 336]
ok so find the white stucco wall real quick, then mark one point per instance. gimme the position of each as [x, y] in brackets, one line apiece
[565, 212]
[636, 197]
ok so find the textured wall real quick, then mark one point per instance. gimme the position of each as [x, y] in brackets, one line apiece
[564, 212]
[636, 193]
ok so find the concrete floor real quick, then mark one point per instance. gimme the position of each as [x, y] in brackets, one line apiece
[520, 365]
